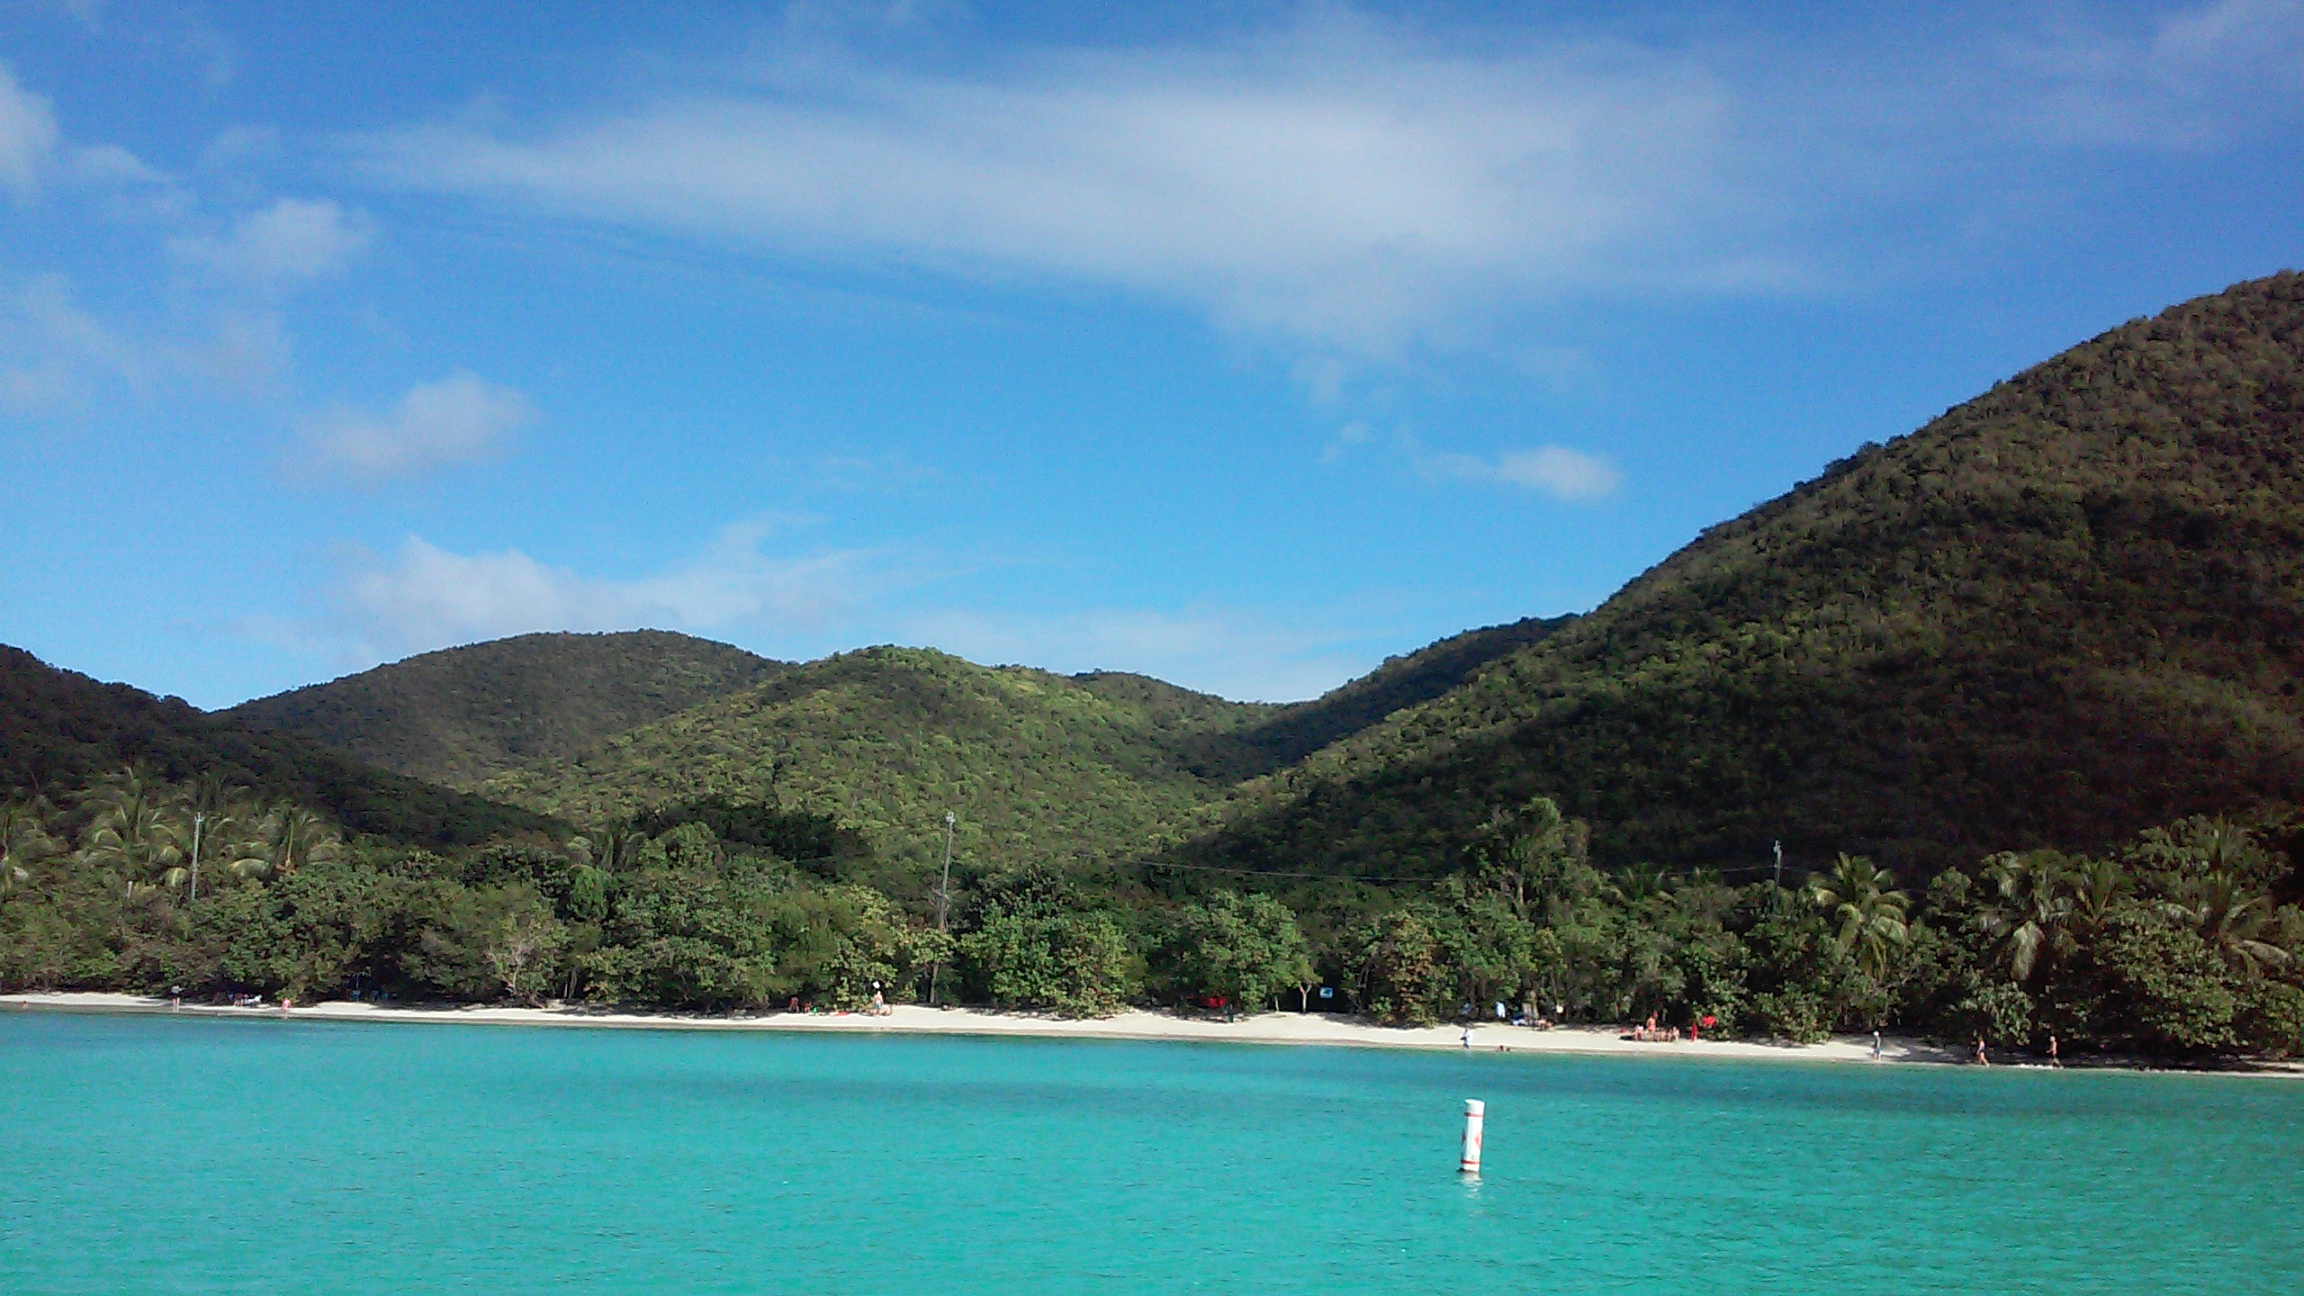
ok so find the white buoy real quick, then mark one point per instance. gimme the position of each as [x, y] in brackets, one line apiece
[1475, 1113]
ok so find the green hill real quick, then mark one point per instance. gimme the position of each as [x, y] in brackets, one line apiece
[463, 714]
[60, 729]
[1039, 768]
[2058, 613]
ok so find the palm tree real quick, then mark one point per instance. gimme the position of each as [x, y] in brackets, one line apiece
[2097, 886]
[218, 811]
[134, 830]
[289, 838]
[2233, 922]
[613, 847]
[2033, 914]
[1866, 909]
[24, 841]
[1637, 884]
[2200, 845]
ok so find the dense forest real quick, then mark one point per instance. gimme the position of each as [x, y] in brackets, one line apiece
[2182, 943]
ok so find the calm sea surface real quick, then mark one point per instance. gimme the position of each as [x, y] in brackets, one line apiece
[171, 1155]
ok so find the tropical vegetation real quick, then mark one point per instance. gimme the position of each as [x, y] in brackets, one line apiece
[2185, 942]
[2015, 699]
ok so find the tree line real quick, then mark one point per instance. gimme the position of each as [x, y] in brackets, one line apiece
[2185, 942]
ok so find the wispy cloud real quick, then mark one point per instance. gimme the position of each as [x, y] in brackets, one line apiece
[1557, 471]
[1339, 182]
[28, 136]
[1359, 186]
[291, 239]
[425, 597]
[53, 354]
[1354, 433]
[458, 420]
[34, 151]
[59, 358]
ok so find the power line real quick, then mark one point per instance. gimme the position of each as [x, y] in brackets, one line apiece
[1316, 877]
[1355, 877]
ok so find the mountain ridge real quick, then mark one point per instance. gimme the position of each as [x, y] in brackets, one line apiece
[1039, 767]
[2057, 613]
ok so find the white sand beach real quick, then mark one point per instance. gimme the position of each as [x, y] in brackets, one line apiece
[1136, 1024]
[1264, 1028]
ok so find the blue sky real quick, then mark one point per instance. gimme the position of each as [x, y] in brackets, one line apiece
[1239, 345]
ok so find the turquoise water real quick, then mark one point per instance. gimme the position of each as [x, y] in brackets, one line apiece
[174, 1155]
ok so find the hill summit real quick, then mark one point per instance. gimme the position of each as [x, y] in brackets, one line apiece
[462, 715]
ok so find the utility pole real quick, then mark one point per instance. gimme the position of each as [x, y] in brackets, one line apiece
[943, 903]
[197, 818]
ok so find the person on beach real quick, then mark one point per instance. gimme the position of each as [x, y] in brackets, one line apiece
[1467, 1037]
[2055, 1058]
[1981, 1060]
[1875, 1043]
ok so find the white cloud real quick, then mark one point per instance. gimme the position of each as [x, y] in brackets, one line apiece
[247, 351]
[31, 142]
[28, 135]
[110, 164]
[54, 354]
[57, 357]
[1358, 186]
[426, 597]
[292, 239]
[1228, 652]
[1338, 183]
[1552, 470]
[1354, 433]
[457, 420]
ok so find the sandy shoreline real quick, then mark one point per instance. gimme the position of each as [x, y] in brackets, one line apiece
[1266, 1028]
[1136, 1024]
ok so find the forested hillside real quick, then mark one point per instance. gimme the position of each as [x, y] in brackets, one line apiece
[2059, 613]
[460, 715]
[60, 729]
[1039, 768]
